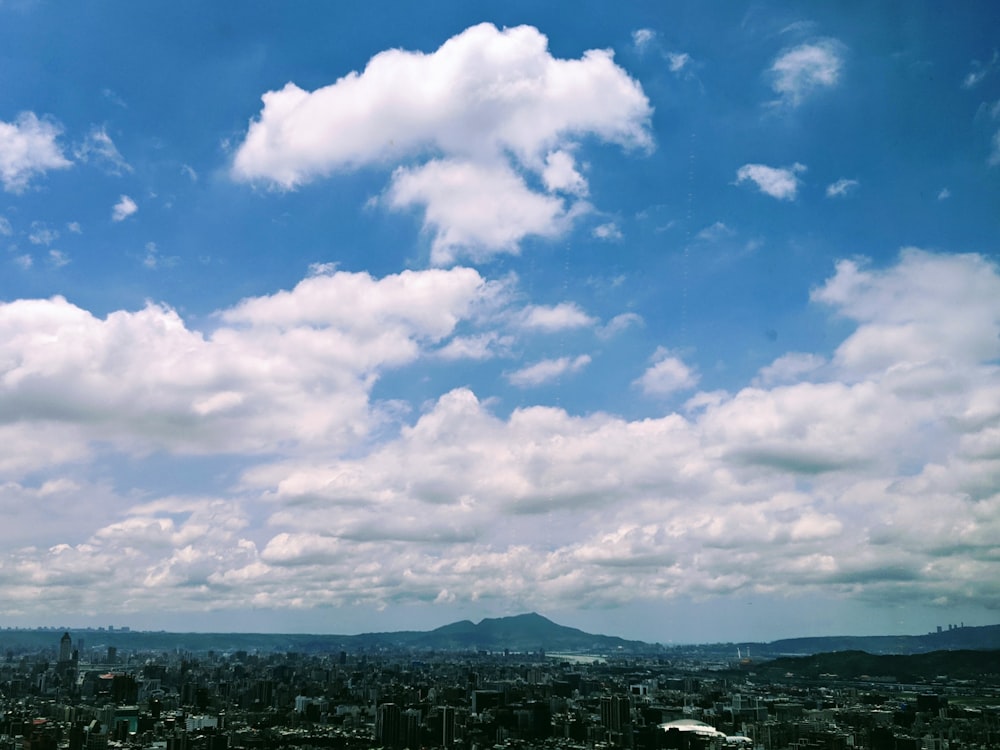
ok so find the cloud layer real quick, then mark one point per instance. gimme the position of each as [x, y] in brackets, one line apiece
[873, 474]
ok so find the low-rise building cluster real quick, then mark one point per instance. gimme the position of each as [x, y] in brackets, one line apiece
[74, 698]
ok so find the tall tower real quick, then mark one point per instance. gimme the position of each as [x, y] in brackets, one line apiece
[387, 725]
[447, 726]
[65, 648]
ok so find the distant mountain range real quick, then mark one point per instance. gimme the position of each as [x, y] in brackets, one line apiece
[968, 638]
[521, 633]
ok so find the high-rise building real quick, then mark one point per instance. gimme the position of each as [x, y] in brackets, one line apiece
[447, 726]
[615, 712]
[387, 725]
[65, 648]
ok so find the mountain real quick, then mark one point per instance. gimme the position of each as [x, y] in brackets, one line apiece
[521, 633]
[982, 638]
[528, 632]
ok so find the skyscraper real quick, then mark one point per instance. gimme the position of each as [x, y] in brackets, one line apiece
[65, 648]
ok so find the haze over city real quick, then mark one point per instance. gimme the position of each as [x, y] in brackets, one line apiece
[674, 321]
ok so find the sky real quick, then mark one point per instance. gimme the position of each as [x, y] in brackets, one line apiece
[674, 321]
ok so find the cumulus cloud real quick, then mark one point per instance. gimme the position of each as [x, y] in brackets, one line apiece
[956, 321]
[278, 370]
[872, 472]
[6, 229]
[778, 182]
[124, 208]
[481, 209]
[551, 318]
[28, 148]
[798, 72]
[840, 188]
[666, 375]
[789, 368]
[547, 370]
[496, 109]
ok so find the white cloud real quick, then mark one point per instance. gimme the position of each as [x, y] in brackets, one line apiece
[804, 69]
[789, 368]
[715, 232]
[642, 38]
[666, 375]
[840, 188]
[153, 259]
[924, 309]
[608, 232]
[99, 148]
[24, 261]
[678, 61]
[560, 174]
[547, 370]
[493, 106]
[6, 229]
[58, 259]
[188, 170]
[546, 318]
[477, 347]
[778, 182]
[980, 71]
[41, 234]
[974, 78]
[74, 227]
[874, 472]
[28, 148]
[476, 208]
[619, 323]
[944, 194]
[124, 208]
[292, 368]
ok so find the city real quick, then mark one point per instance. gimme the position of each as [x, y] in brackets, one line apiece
[81, 695]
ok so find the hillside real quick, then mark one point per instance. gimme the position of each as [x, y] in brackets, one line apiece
[969, 638]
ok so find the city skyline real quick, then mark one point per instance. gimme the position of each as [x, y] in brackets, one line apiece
[680, 323]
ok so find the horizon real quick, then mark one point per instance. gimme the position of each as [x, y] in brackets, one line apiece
[121, 629]
[681, 322]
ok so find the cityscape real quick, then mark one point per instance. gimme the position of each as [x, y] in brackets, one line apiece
[78, 693]
[341, 340]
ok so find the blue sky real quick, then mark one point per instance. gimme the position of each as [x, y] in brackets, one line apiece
[678, 321]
